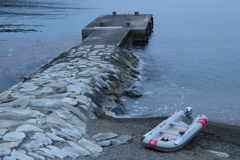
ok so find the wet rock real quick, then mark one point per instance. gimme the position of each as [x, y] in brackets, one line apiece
[14, 136]
[5, 152]
[78, 148]
[132, 93]
[119, 110]
[104, 136]
[27, 128]
[93, 148]
[121, 140]
[70, 152]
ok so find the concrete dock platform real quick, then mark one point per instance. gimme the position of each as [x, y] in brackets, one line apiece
[118, 29]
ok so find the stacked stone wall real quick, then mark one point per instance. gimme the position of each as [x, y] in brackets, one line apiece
[45, 117]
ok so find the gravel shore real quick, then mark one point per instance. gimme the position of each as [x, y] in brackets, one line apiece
[214, 137]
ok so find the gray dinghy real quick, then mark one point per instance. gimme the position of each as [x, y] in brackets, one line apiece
[174, 132]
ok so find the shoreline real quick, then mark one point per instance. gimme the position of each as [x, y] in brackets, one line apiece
[214, 137]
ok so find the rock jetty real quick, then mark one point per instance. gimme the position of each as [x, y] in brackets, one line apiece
[45, 116]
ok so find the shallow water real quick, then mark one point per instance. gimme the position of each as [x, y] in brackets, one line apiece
[192, 58]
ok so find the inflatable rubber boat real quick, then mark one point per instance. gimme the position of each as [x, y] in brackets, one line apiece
[174, 132]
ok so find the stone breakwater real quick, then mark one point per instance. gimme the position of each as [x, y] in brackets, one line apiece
[45, 117]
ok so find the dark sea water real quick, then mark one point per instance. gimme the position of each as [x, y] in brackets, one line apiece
[192, 59]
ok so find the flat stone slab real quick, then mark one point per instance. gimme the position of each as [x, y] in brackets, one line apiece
[93, 148]
[104, 136]
[14, 136]
[121, 140]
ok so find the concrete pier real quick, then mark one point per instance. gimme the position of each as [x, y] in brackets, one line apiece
[45, 116]
[118, 29]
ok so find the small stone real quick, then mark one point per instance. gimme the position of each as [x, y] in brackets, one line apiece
[104, 143]
[9, 145]
[70, 152]
[104, 136]
[72, 133]
[121, 140]
[41, 137]
[27, 128]
[36, 156]
[5, 152]
[14, 136]
[109, 113]
[132, 93]
[3, 131]
[60, 89]
[220, 154]
[20, 155]
[119, 110]
[93, 148]
[54, 137]
[78, 148]
[32, 146]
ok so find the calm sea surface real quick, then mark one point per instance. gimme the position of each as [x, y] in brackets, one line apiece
[192, 59]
